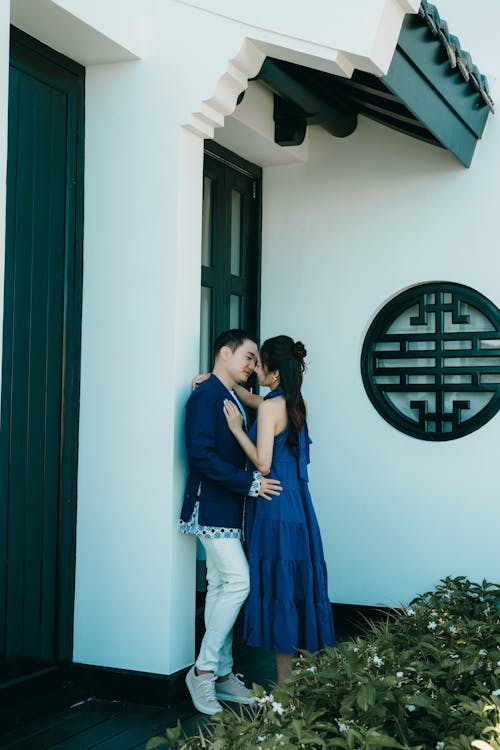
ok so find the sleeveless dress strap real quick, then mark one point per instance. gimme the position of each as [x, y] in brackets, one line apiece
[272, 394]
[304, 456]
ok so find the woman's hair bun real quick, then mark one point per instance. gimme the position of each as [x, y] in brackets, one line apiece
[299, 350]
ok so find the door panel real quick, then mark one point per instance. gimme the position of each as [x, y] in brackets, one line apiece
[41, 353]
[230, 248]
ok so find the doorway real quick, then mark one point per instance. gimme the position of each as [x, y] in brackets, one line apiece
[230, 260]
[231, 254]
[41, 362]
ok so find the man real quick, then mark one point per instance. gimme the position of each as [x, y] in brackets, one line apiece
[217, 485]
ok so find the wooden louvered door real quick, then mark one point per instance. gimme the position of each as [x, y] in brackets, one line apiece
[41, 360]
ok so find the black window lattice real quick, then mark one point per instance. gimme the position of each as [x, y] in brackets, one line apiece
[431, 361]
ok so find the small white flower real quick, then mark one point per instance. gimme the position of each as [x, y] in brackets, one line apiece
[454, 656]
[410, 612]
[377, 661]
[265, 699]
[279, 736]
[432, 625]
[311, 669]
[411, 707]
[278, 708]
[439, 745]
[261, 738]
[483, 652]
[498, 663]
[495, 692]
[342, 726]
[400, 674]
[453, 629]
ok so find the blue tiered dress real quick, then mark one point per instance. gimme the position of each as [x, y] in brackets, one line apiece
[288, 607]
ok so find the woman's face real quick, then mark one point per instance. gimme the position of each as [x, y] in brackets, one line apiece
[263, 375]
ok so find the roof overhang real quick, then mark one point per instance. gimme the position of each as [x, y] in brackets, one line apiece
[432, 91]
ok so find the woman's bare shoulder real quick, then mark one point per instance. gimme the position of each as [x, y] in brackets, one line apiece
[272, 408]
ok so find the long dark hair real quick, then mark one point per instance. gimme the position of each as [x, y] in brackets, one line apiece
[284, 354]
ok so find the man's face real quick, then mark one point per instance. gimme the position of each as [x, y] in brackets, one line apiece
[241, 363]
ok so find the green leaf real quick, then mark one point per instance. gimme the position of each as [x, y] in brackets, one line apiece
[420, 699]
[311, 718]
[366, 696]
[481, 745]
[156, 742]
[374, 737]
[174, 733]
[298, 725]
[329, 674]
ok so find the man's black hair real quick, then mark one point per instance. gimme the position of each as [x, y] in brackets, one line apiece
[233, 338]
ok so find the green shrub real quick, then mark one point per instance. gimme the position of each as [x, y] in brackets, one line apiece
[427, 677]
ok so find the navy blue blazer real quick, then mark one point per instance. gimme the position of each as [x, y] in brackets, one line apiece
[217, 475]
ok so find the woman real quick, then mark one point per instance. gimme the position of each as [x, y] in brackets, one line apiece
[288, 606]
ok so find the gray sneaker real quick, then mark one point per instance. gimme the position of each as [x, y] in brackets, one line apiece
[202, 690]
[233, 689]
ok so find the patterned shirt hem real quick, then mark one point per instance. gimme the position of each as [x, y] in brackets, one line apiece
[207, 532]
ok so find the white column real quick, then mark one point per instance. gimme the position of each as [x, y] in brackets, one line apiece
[184, 365]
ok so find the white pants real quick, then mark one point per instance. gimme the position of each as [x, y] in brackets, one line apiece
[228, 585]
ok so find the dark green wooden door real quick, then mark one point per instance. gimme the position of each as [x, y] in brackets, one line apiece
[40, 364]
[231, 231]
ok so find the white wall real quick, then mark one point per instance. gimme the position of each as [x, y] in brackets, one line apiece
[373, 214]
[334, 35]
[51, 23]
[122, 613]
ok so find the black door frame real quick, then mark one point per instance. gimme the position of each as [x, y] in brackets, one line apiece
[30, 55]
[254, 172]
